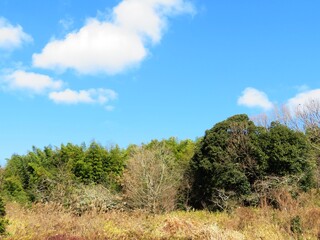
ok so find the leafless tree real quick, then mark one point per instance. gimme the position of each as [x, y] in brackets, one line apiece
[285, 116]
[261, 120]
[152, 179]
[308, 115]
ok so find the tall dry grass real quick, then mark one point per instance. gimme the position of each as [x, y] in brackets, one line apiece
[52, 222]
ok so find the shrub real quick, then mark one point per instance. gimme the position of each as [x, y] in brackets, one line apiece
[3, 221]
[88, 198]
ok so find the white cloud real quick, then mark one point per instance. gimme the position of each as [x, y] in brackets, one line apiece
[91, 96]
[12, 36]
[148, 17]
[112, 46]
[252, 97]
[32, 82]
[304, 98]
[97, 47]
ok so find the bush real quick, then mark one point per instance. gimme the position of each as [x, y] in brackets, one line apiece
[91, 198]
[3, 221]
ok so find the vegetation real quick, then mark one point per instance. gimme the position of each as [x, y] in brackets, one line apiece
[57, 174]
[3, 221]
[235, 155]
[242, 174]
[301, 220]
[152, 179]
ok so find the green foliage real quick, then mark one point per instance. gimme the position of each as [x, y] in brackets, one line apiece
[235, 154]
[313, 135]
[113, 167]
[69, 155]
[296, 225]
[2, 208]
[98, 165]
[235, 162]
[287, 150]
[18, 167]
[3, 221]
[13, 189]
[90, 167]
[34, 176]
[288, 153]
[228, 159]
[183, 150]
[3, 224]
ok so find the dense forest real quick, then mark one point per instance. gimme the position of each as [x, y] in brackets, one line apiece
[239, 162]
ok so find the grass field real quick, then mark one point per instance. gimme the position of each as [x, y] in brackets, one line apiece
[47, 221]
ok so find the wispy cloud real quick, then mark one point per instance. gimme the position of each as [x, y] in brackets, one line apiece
[12, 36]
[66, 23]
[31, 82]
[111, 46]
[304, 98]
[252, 97]
[90, 96]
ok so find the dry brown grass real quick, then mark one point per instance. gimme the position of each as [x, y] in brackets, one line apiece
[55, 223]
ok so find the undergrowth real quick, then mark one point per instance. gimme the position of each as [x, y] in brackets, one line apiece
[54, 222]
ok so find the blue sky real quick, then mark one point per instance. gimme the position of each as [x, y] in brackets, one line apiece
[129, 71]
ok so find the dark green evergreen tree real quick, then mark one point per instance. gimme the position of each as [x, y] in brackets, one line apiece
[235, 153]
[227, 161]
[288, 154]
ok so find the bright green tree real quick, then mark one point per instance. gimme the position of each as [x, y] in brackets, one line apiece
[113, 166]
[90, 167]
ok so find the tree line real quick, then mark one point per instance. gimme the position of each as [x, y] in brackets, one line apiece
[237, 162]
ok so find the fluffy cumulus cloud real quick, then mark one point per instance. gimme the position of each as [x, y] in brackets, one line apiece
[304, 98]
[12, 36]
[90, 96]
[111, 46]
[252, 97]
[30, 82]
